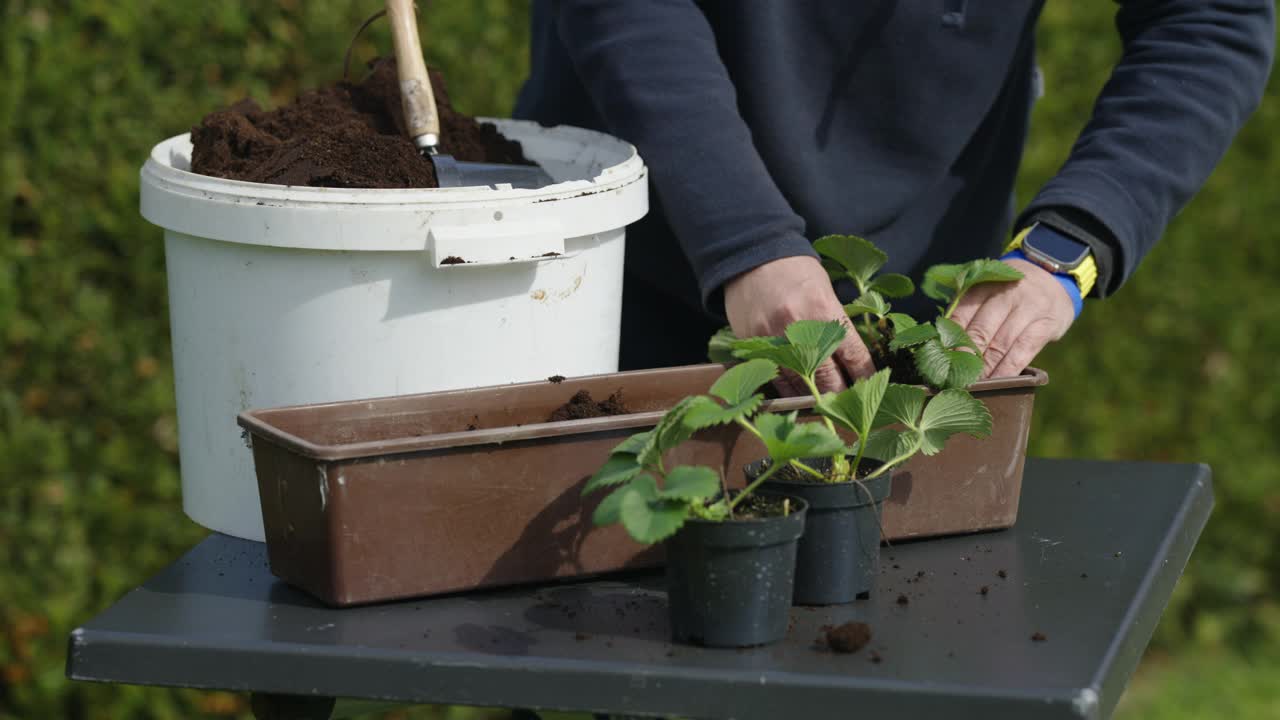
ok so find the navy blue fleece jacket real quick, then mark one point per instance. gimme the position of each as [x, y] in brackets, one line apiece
[768, 123]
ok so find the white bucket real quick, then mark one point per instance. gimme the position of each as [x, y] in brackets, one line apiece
[290, 295]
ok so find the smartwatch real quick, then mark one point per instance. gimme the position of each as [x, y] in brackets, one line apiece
[1068, 259]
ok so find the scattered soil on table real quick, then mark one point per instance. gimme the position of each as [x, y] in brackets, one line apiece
[1039, 637]
[875, 657]
[348, 134]
[582, 406]
[903, 600]
[1002, 574]
[984, 590]
[847, 638]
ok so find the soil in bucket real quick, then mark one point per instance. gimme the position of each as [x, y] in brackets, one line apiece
[729, 583]
[347, 134]
[839, 554]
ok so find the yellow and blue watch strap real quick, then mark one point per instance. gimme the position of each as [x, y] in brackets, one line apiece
[1077, 281]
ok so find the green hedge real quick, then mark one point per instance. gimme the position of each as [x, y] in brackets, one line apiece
[1177, 367]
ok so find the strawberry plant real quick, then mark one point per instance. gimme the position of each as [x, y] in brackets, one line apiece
[653, 501]
[941, 352]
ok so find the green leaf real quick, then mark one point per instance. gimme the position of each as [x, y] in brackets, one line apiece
[857, 256]
[869, 302]
[740, 382]
[901, 321]
[720, 347]
[607, 512]
[618, 469]
[886, 444]
[951, 412]
[670, 431]
[647, 517]
[901, 404]
[813, 341]
[953, 336]
[932, 363]
[856, 407]
[912, 336]
[944, 368]
[774, 349]
[632, 445]
[835, 271]
[941, 281]
[946, 282]
[787, 440]
[893, 285]
[985, 270]
[705, 411]
[966, 368]
[689, 483]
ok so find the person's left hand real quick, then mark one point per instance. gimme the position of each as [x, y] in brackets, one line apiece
[1012, 322]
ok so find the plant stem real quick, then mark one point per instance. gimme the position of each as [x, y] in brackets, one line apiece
[952, 307]
[751, 428]
[915, 447]
[838, 463]
[817, 397]
[773, 467]
[857, 459]
[805, 468]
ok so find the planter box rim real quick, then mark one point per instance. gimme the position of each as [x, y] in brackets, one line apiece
[259, 422]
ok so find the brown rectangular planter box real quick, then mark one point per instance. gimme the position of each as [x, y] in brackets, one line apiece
[373, 500]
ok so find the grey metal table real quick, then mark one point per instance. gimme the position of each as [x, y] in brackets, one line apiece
[1089, 566]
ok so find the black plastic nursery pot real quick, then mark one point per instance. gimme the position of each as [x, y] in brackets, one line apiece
[729, 584]
[839, 555]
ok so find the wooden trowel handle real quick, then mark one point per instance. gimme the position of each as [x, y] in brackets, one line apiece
[415, 87]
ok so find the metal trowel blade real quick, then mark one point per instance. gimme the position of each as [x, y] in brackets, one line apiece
[451, 173]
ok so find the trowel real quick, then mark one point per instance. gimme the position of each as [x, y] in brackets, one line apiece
[423, 121]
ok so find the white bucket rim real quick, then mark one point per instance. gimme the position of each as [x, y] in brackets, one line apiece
[395, 219]
[159, 171]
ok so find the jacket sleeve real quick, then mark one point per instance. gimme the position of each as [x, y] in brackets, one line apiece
[1190, 73]
[654, 74]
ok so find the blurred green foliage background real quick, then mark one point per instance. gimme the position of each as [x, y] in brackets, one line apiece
[1178, 367]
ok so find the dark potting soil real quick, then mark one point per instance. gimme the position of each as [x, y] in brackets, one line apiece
[791, 473]
[348, 134]
[582, 406]
[848, 638]
[762, 506]
[901, 362]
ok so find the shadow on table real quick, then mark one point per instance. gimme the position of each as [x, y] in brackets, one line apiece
[638, 613]
[493, 639]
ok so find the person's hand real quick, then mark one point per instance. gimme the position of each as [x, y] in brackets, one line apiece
[1012, 322]
[765, 300]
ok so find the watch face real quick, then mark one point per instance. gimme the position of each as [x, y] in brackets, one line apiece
[1065, 252]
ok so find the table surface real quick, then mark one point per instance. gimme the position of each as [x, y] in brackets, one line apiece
[1090, 565]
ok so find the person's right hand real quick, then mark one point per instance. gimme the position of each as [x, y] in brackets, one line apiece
[765, 300]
